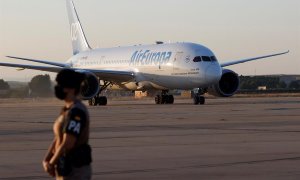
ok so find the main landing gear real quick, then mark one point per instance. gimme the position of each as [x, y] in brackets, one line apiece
[164, 98]
[100, 100]
[199, 98]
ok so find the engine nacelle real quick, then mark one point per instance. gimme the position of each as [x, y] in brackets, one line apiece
[227, 86]
[90, 86]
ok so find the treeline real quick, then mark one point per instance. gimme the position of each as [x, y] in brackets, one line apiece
[272, 83]
[39, 86]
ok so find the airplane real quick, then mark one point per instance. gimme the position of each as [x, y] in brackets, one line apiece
[158, 67]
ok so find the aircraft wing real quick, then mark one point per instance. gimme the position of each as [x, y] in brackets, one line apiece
[40, 68]
[40, 61]
[109, 75]
[251, 59]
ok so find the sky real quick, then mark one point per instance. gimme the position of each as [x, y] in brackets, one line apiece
[232, 29]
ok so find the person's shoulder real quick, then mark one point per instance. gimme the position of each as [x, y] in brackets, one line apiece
[78, 112]
[79, 105]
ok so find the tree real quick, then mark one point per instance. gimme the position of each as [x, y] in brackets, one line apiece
[282, 85]
[40, 86]
[294, 85]
[4, 85]
[4, 89]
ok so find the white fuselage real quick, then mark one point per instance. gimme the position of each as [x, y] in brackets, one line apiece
[160, 66]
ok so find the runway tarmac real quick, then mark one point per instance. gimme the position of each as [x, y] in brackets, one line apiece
[234, 138]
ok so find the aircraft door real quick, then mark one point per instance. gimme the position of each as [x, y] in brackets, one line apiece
[176, 61]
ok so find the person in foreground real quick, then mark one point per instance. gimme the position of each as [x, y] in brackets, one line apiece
[69, 156]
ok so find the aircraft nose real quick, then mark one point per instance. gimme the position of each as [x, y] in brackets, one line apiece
[213, 74]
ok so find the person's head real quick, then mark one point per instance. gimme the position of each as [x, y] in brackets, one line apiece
[68, 84]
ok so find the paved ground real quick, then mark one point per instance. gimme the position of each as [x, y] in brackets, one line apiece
[239, 138]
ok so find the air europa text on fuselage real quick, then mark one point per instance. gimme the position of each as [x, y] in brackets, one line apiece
[147, 57]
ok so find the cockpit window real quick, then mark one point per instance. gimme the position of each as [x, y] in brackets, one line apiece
[213, 58]
[206, 58]
[197, 59]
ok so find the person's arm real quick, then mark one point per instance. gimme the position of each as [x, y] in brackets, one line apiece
[67, 144]
[49, 153]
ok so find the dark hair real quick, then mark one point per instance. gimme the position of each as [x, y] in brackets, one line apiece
[68, 78]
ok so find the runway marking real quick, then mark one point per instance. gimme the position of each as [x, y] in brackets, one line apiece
[25, 177]
[157, 128]
[197, 166]
[282, 109]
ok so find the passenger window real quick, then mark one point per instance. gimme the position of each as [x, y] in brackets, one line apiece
[197, 59]
[206, 58]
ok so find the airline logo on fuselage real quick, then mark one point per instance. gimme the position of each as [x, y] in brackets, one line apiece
[147, 57]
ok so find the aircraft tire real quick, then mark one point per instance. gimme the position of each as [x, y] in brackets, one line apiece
[164, 99]
[201, 100]
[196, 100]
[102, 101]
[158, 99]
[170, 99]
[93, 101]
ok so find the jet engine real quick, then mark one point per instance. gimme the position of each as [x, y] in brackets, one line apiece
[227, 86]
[90, 86]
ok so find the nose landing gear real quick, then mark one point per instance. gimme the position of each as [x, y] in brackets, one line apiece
[198, 97]
[98, 100]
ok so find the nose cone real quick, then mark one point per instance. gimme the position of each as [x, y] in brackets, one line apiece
[213, 74]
